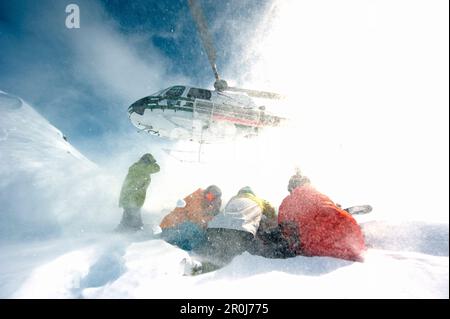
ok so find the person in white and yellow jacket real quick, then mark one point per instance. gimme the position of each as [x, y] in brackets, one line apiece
[236, 228]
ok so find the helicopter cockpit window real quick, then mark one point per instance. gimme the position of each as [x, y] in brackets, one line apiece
[159, 93]
[175, 91]
[199, 94]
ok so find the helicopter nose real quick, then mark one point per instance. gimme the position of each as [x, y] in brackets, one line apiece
[137, 107]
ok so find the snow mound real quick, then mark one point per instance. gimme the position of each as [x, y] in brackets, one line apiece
[117, 267]
[417, 236]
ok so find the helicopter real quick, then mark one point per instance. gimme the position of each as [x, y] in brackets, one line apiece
[183, 112]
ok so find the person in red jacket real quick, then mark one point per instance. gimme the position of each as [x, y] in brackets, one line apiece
[314, 225]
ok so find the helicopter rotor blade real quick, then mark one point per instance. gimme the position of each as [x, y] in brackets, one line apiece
[255, 93]
[202, 28]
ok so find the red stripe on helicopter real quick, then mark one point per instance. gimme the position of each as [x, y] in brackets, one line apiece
[237, 120]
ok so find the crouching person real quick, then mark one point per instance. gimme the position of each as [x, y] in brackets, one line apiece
[185, 226]
[315, 226]
[235, 229]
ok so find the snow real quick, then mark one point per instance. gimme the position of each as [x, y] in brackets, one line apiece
[38, 170]
[58, 210]
[151, 268]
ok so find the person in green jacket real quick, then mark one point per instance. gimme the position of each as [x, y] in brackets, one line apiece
[134, 189]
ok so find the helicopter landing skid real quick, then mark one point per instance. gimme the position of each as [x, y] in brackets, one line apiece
[181, 157]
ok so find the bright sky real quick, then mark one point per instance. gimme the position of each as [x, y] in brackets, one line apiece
[368, 81]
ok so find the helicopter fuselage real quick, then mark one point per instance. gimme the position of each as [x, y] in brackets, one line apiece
[205, 116]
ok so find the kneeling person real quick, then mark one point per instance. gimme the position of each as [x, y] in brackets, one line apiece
[314, 225]
[185, 226]
[234, 230]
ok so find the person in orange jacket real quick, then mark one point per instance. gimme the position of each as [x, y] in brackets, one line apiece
[185, 226]
[314, 225]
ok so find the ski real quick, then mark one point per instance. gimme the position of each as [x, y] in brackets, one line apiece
[359, 209]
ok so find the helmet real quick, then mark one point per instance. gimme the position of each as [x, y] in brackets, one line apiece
[296, 181]
[212, 192]
[148, 159]
[246, 190]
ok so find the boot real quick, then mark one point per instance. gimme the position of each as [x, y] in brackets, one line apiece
[131, 220]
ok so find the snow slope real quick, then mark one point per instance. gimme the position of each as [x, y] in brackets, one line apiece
[46, 185]
[52, 197]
